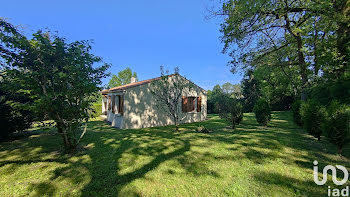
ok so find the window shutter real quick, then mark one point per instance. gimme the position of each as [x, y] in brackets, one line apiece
[113, 104]
[109, 103]
[199, 104]
[184, 104]
[118, 109]
[193, 103]
[121, 105]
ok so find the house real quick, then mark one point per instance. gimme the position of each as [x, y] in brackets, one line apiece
[134, 106]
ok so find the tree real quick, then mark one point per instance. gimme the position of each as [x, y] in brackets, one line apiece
[232, 89]
[168, 91]
[262, 111]
[307, 35]
[15, 103]
[123, 77]
[276, 87]
[9, 43]
[213, 97]
[250, 90]
[230, 109]
[15, 107]
[227, 88]
[65, 78]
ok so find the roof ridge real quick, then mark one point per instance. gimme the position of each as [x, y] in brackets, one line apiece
[138, 83]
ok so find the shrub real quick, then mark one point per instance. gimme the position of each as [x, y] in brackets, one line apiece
[15, 110]
[262, 111]
[337, 127]
[231, 110]
[97, 110]
[296, 112]
[313, 115]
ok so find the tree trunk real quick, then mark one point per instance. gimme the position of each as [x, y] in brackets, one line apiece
[233, 125]
[340, 150]
[319, 138]
[66, 140]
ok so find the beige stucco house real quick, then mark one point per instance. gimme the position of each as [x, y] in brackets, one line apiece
[133, 105]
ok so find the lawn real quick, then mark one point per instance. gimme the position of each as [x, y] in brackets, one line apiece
[249, 161]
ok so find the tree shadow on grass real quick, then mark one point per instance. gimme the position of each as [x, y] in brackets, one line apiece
[112, 160]
[296, 186]
[42, 189]
[115, 158]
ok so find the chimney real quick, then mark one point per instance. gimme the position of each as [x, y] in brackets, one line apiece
[132, 80]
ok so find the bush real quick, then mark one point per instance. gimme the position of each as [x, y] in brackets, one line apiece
[337, 127]
[296, 112]
[97, 110]
[15, 110]
[231, 110]
[313, 116]
[262, 111]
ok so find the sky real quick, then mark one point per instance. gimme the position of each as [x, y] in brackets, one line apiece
[142, 35]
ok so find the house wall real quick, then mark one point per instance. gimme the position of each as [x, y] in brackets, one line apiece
[141, 109]
[115, 119]
[104, 110]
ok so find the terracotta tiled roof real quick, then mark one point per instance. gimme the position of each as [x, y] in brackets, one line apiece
[130, 85]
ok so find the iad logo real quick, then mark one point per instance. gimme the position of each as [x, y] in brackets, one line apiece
[335, 191]
[334, 174]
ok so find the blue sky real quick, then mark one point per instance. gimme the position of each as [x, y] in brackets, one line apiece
[142, 35]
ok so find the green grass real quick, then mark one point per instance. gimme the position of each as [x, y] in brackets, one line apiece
[249, 161]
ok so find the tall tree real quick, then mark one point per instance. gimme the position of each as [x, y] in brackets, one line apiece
[250, 90]
[9, 43]
[213, 99]
[65, 76]
[15, 103]
[254, 31]
[123, 77]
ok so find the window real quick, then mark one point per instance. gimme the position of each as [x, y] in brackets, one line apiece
[120, 104]
[199, 104]
[113, 103]
[109, 103]
[188, 104]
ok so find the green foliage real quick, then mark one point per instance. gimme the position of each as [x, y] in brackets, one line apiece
[14, 107]
[296, 112]
[230, 109]
[66, 76]
[262, 111]
[314, 45]
[250, 90]
[123, 77]
[234, 90]
[337, 127]
[313, 116]
[15, 102]
[327, 91]
[278, 85]
[10, 40]
[213, 98]
[97, 110]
